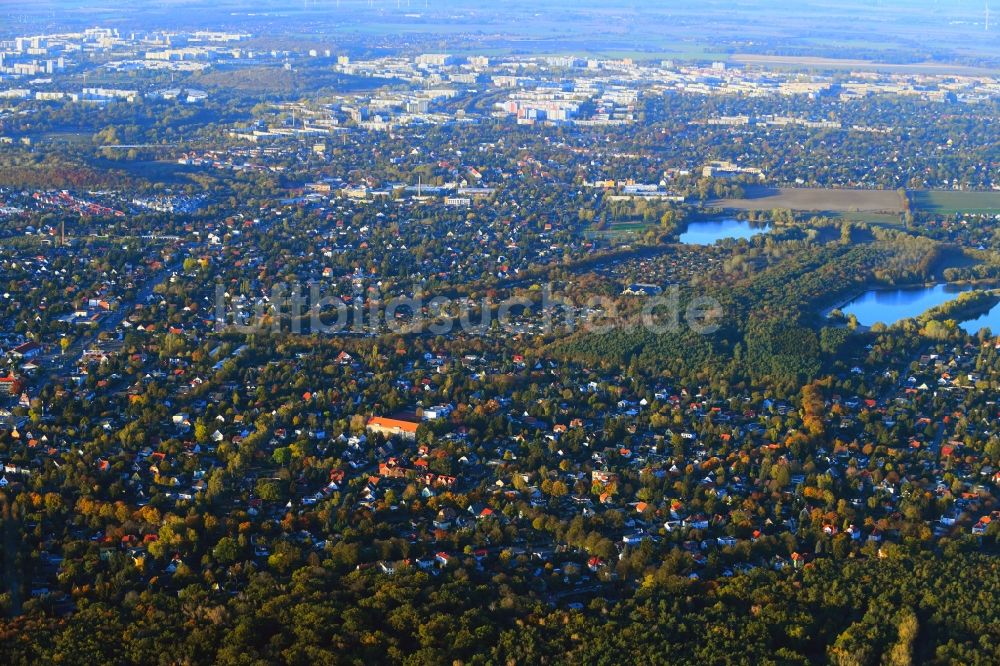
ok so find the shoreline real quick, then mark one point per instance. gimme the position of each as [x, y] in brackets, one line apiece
[841, 304]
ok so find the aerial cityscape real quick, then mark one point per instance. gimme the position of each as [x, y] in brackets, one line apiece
[550, 332]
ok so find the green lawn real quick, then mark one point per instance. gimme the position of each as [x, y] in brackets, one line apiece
[624, 231]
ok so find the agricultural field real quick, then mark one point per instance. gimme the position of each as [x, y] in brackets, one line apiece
[945, 202]
[826, 200]
[873, 206]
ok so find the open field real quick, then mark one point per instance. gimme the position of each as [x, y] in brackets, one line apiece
[948, 202]
[878, 219]
[619, 231]
[816, 199]
[810, 62]
[874, 206]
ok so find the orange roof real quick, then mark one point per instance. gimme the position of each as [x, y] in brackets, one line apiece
[392, 424]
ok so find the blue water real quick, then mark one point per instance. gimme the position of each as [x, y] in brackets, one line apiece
[990, 320]
[892, 305]
[709, 232]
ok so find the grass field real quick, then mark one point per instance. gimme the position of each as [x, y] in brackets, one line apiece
[881, 219]
[949, 202]
[622, 231]
[820, 200]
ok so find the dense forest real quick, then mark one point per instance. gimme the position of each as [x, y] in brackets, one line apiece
[902, 607]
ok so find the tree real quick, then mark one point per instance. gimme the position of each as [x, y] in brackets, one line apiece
[269, 490]
[901, 653]
[202, 431]
[226, 550]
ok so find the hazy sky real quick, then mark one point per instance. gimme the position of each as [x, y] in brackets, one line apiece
[901, 29]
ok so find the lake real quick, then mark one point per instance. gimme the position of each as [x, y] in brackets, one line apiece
[709, 232]
[892, 305]
[990, 320]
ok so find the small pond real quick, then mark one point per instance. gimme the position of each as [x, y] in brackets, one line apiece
[709, 232]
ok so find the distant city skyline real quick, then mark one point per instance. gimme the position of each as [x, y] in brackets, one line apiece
[890, 30]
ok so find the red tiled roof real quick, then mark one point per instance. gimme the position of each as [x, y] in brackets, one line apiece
[392, 424]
